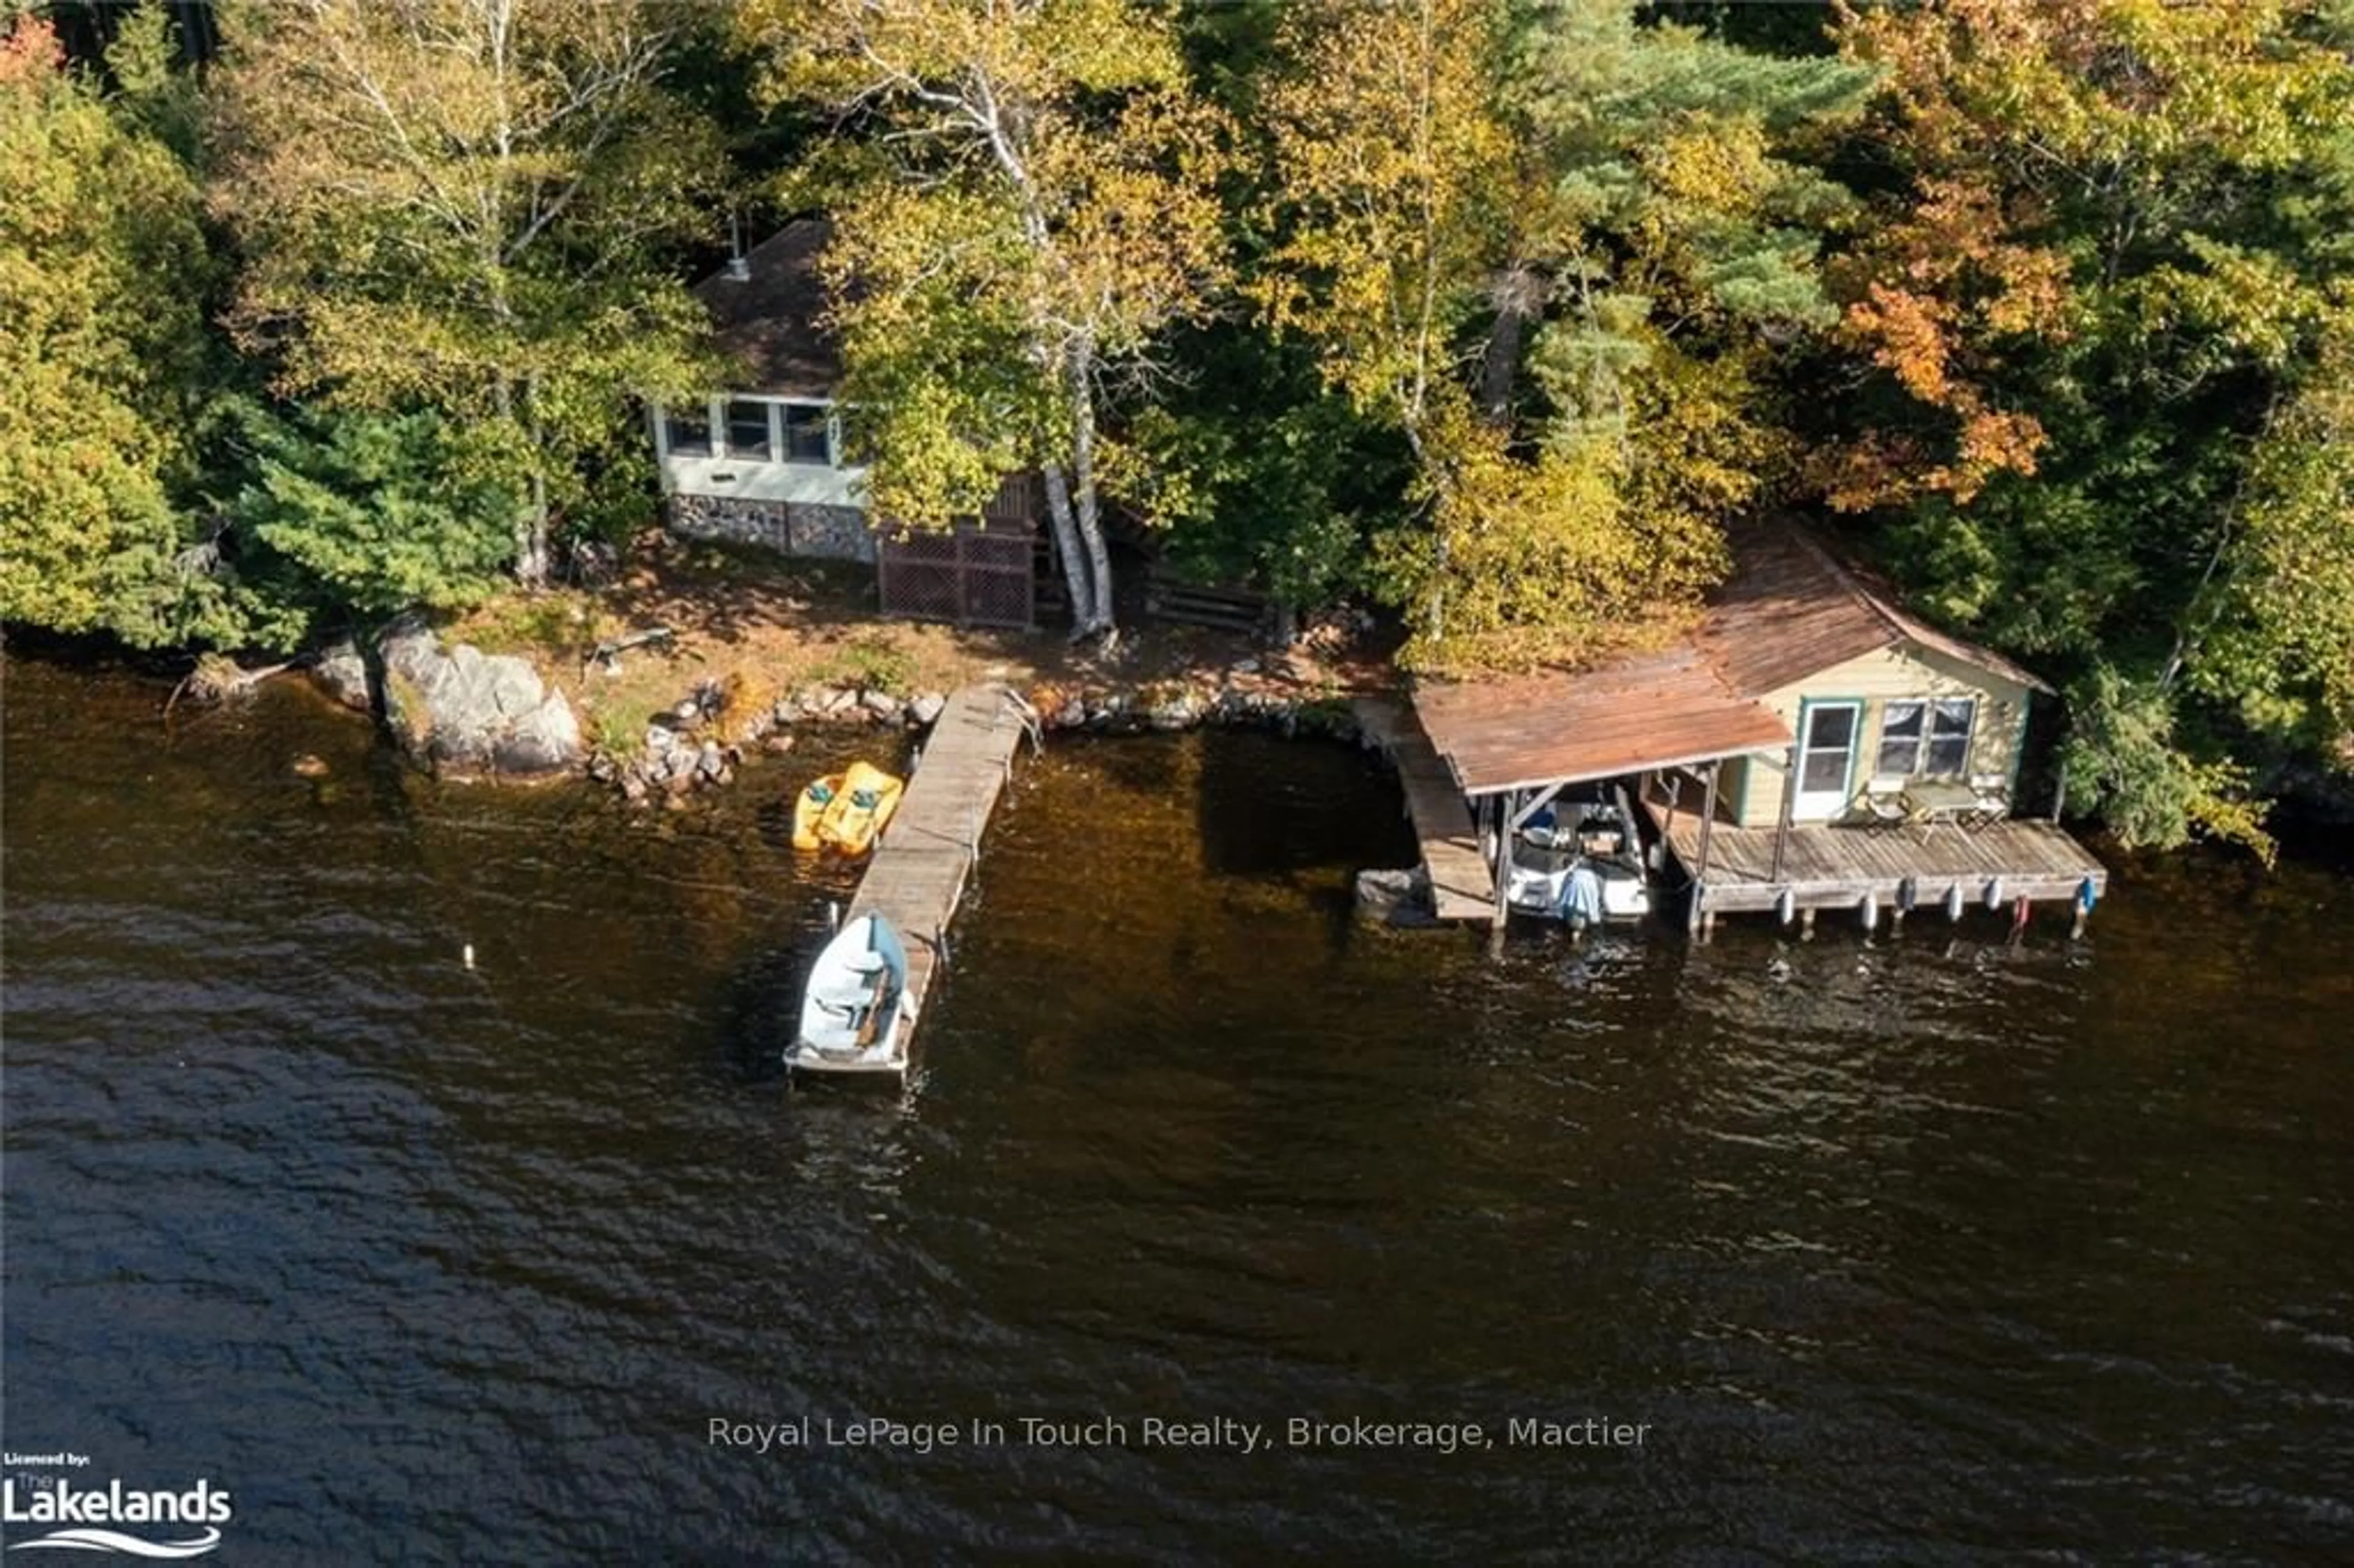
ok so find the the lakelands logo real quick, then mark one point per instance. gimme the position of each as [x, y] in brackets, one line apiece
[85, 1519]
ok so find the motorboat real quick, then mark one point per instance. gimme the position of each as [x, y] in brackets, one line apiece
[855, 1015]
[1578, 859]
[861, 807]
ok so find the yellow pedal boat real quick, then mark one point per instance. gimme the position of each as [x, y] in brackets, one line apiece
[809, 811]
[860, 806]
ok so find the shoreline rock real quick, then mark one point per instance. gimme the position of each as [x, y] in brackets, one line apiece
[683, 750]
[466, 712]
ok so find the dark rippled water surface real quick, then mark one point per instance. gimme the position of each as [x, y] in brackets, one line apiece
[1920, 1250]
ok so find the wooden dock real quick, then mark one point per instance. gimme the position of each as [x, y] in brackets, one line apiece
[1826, 867]
[918, 871]
[1462, 885]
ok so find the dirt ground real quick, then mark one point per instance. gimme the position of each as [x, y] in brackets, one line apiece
[760, 626]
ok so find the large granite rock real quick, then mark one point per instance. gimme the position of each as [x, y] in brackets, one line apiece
[342, 673]
[469, 711]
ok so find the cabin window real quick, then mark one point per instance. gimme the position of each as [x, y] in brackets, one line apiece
[1928, 737]
[805, 434]
[688, 431]
[747, 431]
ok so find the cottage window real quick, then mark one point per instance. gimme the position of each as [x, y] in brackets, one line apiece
[1950, 721]
[687, 430]
[805, 434]
[1927, 737]
[747, 431]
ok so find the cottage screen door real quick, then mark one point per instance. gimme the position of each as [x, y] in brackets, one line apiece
[1826, 759]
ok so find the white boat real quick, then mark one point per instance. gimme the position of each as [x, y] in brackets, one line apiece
[1579, 860]
[855, 1016]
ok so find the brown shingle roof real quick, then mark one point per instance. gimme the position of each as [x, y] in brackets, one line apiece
[1791, 609]
[769, 324]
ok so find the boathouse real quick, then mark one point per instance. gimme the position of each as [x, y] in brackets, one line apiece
[1810, 744]
[762, 461]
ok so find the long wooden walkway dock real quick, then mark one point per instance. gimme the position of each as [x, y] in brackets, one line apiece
[1462, 885]
[918, 872]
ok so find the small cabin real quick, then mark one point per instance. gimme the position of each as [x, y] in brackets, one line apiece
[1872, 697]
[761, 461]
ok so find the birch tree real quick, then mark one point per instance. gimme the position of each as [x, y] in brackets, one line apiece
[1024, 198]
[452, 204]
[1547, 244]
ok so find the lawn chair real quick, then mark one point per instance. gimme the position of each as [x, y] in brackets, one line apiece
[1882, 804]
[1993, 790]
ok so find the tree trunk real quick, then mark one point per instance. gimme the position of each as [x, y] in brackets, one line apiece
[531, 565]
[529, 530]
[1083, 467]
[1517, 293]
[1075, 575]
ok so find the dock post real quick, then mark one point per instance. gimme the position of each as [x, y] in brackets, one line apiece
[1789, 805]
[1707, 820]
[1503, 806]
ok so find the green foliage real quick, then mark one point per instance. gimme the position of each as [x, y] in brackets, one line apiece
[870, 663]
[617, 725]
[2126, 762]
[560, 626]
[103, 271]
[1628, 214]
[462, 207]
[2104, 413]
[1039, 206]
[381, 512]
[1253, 471]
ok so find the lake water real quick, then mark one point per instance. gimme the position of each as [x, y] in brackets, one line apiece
[1925, 1249]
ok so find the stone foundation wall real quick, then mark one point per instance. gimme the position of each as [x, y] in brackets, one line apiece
[792, 528]
[731, 518]
[836, 533]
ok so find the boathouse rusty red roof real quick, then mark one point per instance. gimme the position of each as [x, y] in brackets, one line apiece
[1645, 710]
[1790, 611]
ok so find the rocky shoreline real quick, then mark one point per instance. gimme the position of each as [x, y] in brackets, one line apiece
[700, 741]
[460, 713]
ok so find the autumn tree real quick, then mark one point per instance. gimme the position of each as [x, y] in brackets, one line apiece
[1552, 245]
[1023, 201]
[103, 272]
[2103, 307]
[458, 206]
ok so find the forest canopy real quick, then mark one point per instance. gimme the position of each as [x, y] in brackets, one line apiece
[1492, 314]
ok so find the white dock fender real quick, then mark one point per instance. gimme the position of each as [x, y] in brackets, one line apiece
[1908, 894]
[1954, 901]
[1785, 907]
[1872, 911]
[1994, 894]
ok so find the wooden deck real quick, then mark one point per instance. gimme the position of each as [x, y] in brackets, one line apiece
[1837, 867]
[1462, 885]
[919, 869]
